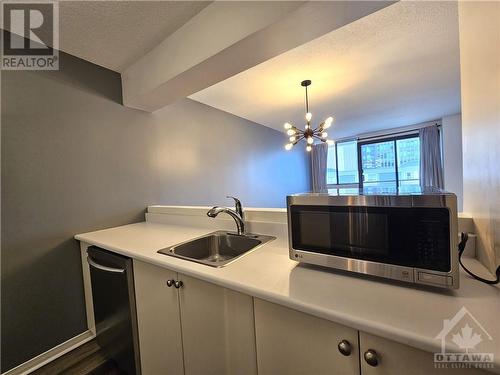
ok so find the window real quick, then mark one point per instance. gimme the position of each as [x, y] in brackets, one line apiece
[342, 163]
[378, 164]
[389, 162]
[408, 161]
[347, 161]
[331, 166]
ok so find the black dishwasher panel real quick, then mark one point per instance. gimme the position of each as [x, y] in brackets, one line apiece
[114, 307]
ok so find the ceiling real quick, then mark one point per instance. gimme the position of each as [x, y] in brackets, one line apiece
[396, 67]
[114, 34]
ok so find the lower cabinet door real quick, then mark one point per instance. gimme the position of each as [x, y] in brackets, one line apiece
[293, 343]
[217, 329]
[380, 356]
[158, 320]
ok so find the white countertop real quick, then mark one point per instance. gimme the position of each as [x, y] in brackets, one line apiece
[404, 313]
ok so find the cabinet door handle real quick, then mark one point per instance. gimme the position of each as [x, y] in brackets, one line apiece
[178, 284]
[170, 283]
[371, 357]
[345, 348]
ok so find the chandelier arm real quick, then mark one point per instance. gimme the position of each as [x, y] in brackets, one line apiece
[319, 127]
[297, 141]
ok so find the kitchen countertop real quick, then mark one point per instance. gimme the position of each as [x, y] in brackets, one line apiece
[412, 315]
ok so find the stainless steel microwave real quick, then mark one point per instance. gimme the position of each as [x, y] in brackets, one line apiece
[409, 235]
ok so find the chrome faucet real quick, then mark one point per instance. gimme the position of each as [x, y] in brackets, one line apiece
[237, 214]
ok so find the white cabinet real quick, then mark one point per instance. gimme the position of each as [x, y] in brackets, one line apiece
[158, 320]
[395, 359]
[290, 342]
[203, 329]
[197, 328]
[293, 343]
[217, 329]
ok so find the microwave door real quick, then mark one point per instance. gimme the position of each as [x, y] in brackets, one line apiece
[412, 237]
[342, 231]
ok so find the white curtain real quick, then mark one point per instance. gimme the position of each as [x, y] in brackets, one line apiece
[319, 155]
[431, 167]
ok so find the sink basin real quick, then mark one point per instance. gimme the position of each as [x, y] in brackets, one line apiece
[217, 249]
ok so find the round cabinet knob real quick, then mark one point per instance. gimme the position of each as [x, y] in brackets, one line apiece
[178, 284]
[345, 347]
[371, 357]
[170, 283]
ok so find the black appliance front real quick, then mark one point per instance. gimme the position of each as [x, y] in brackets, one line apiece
[406, 236]
[114, 308]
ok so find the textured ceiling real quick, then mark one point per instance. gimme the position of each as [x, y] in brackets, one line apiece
[395, 67]
[114, 34]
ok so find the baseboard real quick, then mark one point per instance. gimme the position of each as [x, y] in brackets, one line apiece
[48, 356]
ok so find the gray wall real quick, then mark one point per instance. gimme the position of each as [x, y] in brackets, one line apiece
[204, 154]
[75, 160]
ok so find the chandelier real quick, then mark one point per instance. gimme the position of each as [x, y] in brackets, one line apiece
[309, 134]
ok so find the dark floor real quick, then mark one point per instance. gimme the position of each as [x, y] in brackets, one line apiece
[86, 359]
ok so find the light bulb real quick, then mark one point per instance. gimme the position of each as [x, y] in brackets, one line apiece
[309, 116]
[310, 140]
[328, 123]
[292, 138]
[288, 146]
[330, 142]
[290, 132]
[324, 135]
[307, 126]
[287, 125]
[308, 148]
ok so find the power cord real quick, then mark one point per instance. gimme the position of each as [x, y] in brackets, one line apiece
[461, 247]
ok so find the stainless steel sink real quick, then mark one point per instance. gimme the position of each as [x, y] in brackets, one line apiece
[217, 249]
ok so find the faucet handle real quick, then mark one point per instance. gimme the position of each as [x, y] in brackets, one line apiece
[238, 207]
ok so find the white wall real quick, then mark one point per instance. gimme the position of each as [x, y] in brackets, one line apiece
[479, 30]
[452, 156]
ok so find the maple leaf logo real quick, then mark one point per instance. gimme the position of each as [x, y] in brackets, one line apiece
[465, 339]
